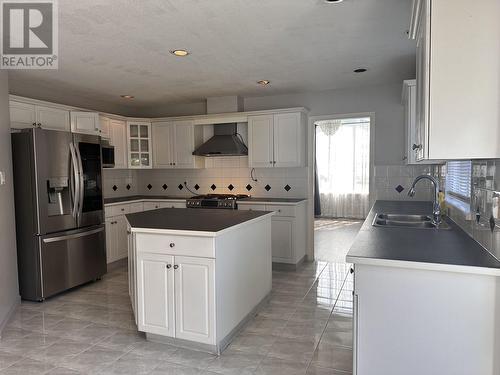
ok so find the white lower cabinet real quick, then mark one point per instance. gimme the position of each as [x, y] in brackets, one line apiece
[194, 299]
[176, 296]
[282, 238]
[288, 229]
[155, 283]
[116, 238]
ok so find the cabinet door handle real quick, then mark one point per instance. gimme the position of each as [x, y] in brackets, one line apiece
[270, 162]
[34, 124]
[274, 161]
[172, 244]
[416, 147]
[169, 266]
[176, 266]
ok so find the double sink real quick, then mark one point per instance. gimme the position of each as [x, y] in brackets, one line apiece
[406, 221]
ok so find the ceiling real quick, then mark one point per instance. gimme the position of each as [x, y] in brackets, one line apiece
[112, 47]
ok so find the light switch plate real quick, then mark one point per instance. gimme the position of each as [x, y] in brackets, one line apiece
[2, 178]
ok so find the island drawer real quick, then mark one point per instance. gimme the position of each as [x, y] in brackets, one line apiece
[282, 210]
[251, 207]
[119, 209]
[175, 245]
[136, 207]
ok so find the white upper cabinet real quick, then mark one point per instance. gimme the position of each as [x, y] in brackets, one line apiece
[139, 144]
[104, 127]
[163, 134]
[25, 115]
[118, 138]
[458, 62]
[85, 122]
[409, 100]
[174, 143]
[277, 140]
[260, 141]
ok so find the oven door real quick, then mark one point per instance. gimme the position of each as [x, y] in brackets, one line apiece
[72, 258]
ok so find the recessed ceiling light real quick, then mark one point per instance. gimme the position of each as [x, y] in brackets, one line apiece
[333, 1]
[179, 52]
[360, 70]
[264, 82]
[127, 96]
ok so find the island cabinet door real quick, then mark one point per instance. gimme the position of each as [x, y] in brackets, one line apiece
[195, 299]
[155, 286]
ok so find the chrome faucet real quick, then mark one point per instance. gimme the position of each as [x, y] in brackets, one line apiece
[436, 208]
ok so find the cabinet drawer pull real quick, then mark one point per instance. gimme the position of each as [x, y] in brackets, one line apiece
[122, 209]
[176, 266]
[416, 147]
[169, 266]
[172, 244]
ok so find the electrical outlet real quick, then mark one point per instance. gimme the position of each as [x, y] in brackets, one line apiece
[2, 178]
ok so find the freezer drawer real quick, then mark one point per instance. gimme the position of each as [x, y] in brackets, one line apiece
[72, 258]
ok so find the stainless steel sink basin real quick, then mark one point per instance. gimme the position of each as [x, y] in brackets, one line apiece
[406, 221]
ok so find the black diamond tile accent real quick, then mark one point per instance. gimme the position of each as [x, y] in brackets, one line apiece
[230, 187]
[267, 187]
[115, 188]
[165, 186]
[287, 187]
[248, 187]
[180, 187]
[149, 186]
[213, 187]
[128, 186]
[399, 189]
[196, 187]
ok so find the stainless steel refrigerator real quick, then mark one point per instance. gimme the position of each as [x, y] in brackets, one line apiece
[59, 211]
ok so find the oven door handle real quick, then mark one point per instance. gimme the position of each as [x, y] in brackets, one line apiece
[72, 236]
[81, 181]
[74, 180]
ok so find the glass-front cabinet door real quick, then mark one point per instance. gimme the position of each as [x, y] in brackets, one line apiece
[139, 144]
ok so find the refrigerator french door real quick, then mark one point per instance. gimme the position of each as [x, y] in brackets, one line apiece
[59, 211]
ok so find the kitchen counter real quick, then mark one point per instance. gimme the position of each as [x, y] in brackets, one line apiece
[444, 249]
[133, 198]
[191, 220]
[198, 275]
[271, 200]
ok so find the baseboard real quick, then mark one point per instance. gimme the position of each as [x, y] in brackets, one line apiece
[117, 264]
[277, 266]
[11, 312]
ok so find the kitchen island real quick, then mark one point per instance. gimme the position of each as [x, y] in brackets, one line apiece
[435, 292]
[197, 275]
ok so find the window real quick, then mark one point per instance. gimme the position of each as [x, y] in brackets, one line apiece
[458, 179]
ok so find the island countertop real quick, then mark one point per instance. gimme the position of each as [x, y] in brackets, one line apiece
[444, 249]
[194, 220]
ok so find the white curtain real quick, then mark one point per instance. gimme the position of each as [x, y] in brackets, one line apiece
[343, 165]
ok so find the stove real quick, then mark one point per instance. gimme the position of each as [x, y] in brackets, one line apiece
[225, 201]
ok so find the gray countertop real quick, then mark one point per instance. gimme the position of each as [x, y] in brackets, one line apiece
[139, 197]
[443, 246]
[271, 200]
[153, 197]
[188, 219]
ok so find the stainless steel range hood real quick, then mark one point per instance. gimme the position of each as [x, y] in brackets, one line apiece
[225, 142]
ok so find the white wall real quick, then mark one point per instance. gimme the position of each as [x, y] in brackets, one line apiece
[9, 290]
[384, 101]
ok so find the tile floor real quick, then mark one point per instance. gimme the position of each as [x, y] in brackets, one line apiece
[306, 328]
[334, 237]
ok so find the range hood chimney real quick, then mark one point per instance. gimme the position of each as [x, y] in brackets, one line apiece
[225, 142]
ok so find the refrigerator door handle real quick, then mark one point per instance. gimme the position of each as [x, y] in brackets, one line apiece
[75, 180]
[81, 182]
[73, 236]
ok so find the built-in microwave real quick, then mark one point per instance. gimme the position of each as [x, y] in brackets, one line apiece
[108, 155]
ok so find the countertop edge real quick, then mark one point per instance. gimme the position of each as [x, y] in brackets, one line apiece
[195, 233]
[483, 271]
[145, 200]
